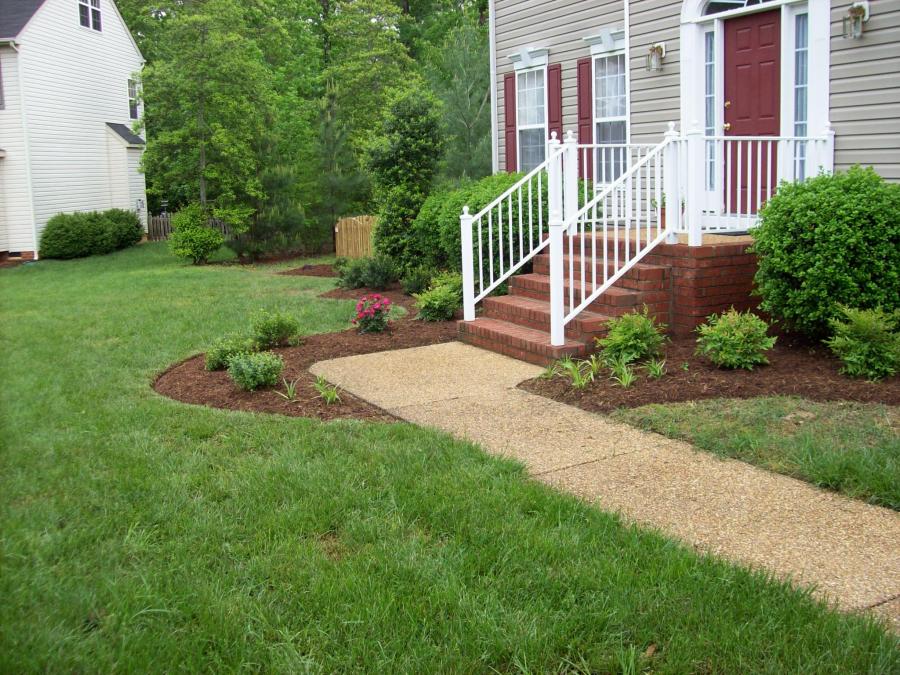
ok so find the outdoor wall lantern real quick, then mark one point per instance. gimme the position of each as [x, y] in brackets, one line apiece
[856, 16]
[655, 56]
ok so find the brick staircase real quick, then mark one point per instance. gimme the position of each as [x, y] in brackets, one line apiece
[518, 324]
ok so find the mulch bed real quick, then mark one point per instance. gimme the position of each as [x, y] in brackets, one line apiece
[189, 382]
[797, 368]
[311, 271]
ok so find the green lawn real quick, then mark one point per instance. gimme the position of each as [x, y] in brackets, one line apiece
[144, 535]
[853, 448]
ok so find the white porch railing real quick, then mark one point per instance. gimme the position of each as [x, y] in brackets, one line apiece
[635, 197]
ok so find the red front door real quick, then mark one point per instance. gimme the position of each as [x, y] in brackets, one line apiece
[752, 107]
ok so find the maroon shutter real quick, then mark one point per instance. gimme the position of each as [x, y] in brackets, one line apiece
[554, 100]
[585, 115]
[509, 107]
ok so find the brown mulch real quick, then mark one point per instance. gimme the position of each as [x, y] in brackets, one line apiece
[189, 382]
[311, 271]
[796, 368]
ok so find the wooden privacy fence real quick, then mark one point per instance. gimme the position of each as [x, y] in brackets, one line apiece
[353, 236]
[159, 227]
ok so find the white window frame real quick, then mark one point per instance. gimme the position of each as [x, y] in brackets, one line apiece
[524, 127]
[133, 99]
[596, 121]
[92, 6]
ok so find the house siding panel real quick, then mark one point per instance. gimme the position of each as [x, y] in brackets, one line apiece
[15, 206]
[76, 80]
[865, 90]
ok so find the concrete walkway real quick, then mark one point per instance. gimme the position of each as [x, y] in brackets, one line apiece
[847, 550]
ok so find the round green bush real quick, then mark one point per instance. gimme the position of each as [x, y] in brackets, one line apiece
[829, 241]
[735, 340]
[76, 235]
[125, 226]
[254, 370]
[191, 237]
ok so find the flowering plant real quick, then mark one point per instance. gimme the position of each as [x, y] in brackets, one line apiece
[372, 313]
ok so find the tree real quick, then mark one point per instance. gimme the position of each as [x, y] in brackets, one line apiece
[209, 101]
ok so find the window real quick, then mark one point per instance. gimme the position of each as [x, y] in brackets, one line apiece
[89, 13]
[133, 112]
[709, 108]
[532, 117]
[801, 90]
[717, 6]
[610, 115]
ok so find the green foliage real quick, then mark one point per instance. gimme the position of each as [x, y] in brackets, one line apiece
[633, 337]
[579, 373]
[417, 280]
[621, 371]
[831, 240]
[377, 272]
[223, 349]
[76, 235]
[424, 243]
[655, 368]
[735, 340]
[867, 341]
[442, 299]
[327, 392]
[290, 390]
[403, 161]
[274, 329]
[191, 237]
[254, 370]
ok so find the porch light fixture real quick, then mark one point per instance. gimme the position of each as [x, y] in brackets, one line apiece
[856, 16]
[655, 56]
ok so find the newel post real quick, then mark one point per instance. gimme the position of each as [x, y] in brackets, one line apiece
[468, 274]
[671, 191]
[696, 184]
[555, 208]
[570, 181]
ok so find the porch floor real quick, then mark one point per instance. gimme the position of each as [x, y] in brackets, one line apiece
[844, 549]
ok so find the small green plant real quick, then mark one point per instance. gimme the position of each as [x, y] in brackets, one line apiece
[274, 329]
[218, 356]
[437, 304]
[578, 372]
[290, 390]
[867, 341]
[632, 337]
[191, 237]
[685, 366]
[254, 370]
[622, 372]
[735, 340]
[372, 313]
[377, 273]
[595, 364]
[417, 280]
[656, 368]
[327, 392]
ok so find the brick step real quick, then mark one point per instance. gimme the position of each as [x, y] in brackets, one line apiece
[641, 277]
[614, 301]
[533, 313]
[520, 342]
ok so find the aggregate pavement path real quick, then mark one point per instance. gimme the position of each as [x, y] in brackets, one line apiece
[848, 551]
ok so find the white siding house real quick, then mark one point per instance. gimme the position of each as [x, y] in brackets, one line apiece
[67, 75]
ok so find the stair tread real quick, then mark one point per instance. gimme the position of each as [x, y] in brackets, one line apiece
[530, 334]
[541, 305]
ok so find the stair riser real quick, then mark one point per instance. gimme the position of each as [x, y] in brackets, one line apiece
[626, 281]
[659, 308]
[629, 298]
[576, 329]
[532, 353]
[640, 272]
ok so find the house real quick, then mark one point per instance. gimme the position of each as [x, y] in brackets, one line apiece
[676, 120]
[68, 100]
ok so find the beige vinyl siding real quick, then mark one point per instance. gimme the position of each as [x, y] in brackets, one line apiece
[558, 26]
[76, 80]
[655, 99]
[865, 90]
[16, 233]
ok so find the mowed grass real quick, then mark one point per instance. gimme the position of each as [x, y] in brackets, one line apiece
[853, 448]
[144, 535]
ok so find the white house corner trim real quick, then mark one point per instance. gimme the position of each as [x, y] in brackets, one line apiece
[495, 115]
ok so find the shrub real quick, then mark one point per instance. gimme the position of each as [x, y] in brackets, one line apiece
[632, 337]
[377, 272]
[76, 235]
[441, 301]
[274, 329]
[831, 240]
[191, 237]
[372, 313]
[417, 280]
[252, 370]
[218, 356]
[867, 342]
[425, 234]
[735, 340]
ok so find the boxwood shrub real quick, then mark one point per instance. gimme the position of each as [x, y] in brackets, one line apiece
[76, 235]
[867, 341]
[735, 340]
[255, 370]
[829, 241]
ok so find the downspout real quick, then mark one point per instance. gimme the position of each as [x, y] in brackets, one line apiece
[495, 120]
[24, 121]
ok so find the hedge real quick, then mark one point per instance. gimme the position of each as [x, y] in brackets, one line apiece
[76, 235]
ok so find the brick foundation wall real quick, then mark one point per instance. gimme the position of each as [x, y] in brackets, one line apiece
[5, 256]
[706, 280]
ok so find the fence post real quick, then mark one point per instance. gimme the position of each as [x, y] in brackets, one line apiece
[671, 200]
[555, 207]
[695, 184]
[468, 274]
